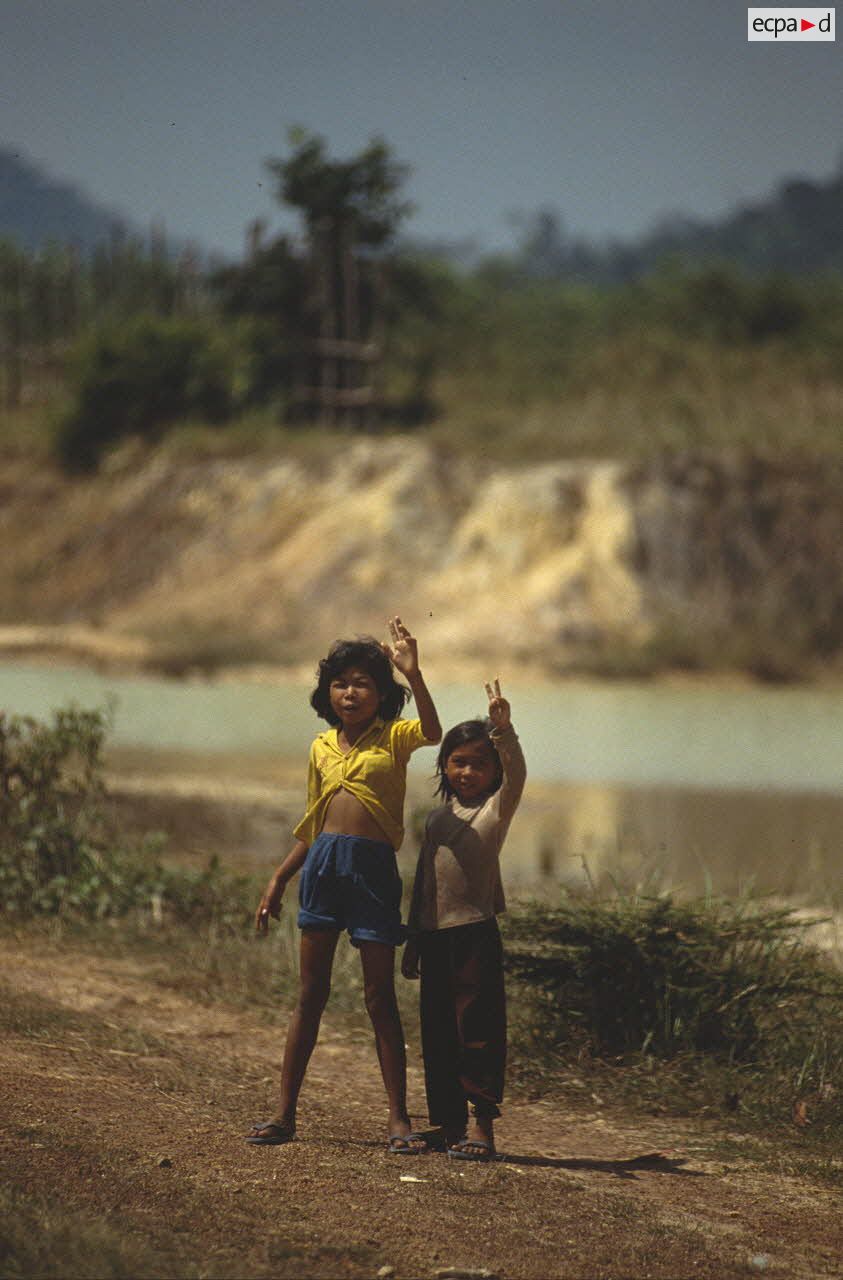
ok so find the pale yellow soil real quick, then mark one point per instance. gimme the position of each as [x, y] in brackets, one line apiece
[126, 1071]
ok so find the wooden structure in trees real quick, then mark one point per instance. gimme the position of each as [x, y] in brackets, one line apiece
[338, 360]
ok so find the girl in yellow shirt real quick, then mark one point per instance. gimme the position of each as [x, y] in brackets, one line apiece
[345, 849]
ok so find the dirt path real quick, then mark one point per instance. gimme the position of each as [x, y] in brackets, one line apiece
[125, 1099]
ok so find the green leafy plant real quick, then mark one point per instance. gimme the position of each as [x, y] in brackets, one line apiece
[58, 851]
[140, 377]
[51, 816]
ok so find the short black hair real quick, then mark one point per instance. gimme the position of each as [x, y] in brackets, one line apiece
[366, 653]
[465, 731]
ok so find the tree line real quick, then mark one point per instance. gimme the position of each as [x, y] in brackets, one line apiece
[130, 338]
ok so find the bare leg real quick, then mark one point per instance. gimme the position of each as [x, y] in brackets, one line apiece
[317, 959]
[379, 981]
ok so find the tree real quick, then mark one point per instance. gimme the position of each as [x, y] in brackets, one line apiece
[351, 211]
[317, 319]
[360, 194]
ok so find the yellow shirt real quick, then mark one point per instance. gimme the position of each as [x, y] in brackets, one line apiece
[374, 770]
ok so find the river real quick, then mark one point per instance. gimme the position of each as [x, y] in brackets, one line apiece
[693, 786]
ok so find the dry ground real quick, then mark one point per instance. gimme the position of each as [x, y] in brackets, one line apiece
[123, 1098]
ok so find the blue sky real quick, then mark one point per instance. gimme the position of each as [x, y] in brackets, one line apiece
[615, 113]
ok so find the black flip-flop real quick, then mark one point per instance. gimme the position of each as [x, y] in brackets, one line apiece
[486, 1152]
[262, 1136]
[399, 1144]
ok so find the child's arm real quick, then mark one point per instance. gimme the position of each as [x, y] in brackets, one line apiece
[410, 955]
[506, 744]
[270, 903]
[404, 656]
[410, 959]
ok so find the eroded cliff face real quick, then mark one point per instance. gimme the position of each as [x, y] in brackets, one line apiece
[554, 562]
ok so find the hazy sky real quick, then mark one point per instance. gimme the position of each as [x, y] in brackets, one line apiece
[613, 111]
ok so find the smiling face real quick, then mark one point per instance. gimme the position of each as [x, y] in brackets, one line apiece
[471, 770]
[355, 699]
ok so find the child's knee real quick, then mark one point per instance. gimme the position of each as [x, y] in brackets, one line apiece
[380, 1000]
[313, 994]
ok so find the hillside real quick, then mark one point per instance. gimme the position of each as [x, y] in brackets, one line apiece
[708, 562]
[36, 208]
[797, 229]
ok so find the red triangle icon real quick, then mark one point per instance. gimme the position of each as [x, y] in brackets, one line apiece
[806, 24]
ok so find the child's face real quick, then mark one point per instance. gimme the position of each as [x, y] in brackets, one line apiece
[470, 770]
[354, 696]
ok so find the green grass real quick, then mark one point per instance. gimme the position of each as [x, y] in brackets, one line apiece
[635, 393]
[648, 394]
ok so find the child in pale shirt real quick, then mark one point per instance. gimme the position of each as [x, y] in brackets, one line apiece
[453, 932]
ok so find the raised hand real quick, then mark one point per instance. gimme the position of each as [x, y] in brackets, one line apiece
[499, 712]
[403, 653]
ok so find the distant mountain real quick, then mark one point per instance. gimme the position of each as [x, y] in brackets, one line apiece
[36, 209]
[798, 229]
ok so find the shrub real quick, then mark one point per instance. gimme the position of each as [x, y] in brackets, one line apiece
[736, 981]
[51, 814]
[58, 853]
[139, 377]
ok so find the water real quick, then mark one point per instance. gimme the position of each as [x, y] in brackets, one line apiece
[690, 785]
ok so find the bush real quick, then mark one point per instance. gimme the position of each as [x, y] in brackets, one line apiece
[57, 851]
[736, 981]
[140, 377]
[51, 814]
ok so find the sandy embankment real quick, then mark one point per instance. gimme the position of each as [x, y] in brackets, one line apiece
[260, 562]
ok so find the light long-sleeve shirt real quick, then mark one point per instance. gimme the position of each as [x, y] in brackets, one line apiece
[458, 878]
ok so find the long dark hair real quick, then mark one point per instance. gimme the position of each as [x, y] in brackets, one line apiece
[466, 731]
[366, 653]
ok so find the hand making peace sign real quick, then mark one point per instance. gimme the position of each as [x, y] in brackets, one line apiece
[498, 706]
[404, 651]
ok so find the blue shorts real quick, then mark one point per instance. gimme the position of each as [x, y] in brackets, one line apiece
[349, 882]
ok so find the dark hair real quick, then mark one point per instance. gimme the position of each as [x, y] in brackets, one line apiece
[466, 731]
[366, 653]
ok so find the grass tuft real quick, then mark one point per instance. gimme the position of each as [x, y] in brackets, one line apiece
[705, 1004]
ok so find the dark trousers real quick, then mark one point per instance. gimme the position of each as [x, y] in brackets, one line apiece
[463, 1021]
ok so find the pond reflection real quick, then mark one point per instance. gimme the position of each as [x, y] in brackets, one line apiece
[693, 840]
